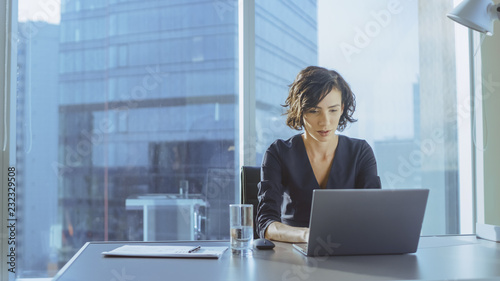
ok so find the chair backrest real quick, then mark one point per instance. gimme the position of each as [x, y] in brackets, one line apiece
[250, 178]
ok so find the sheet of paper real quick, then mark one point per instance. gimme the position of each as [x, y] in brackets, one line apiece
[166, 251]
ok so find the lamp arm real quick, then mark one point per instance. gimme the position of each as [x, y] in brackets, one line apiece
[494, 11]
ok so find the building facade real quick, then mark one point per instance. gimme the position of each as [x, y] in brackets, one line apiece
[146, 96]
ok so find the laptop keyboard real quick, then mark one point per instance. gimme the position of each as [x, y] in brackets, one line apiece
[302, 247]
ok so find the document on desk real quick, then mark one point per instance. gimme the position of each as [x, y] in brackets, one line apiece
[164, 251]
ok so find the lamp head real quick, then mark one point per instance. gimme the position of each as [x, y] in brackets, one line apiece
[476, 14]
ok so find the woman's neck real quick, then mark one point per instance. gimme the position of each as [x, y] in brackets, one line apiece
[318, 149]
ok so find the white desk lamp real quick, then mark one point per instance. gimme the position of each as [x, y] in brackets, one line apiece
[476, 14]
[479, 15]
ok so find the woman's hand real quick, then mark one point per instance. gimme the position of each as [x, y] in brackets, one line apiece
[281, 232]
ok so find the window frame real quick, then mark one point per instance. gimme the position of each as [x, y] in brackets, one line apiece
[247, 131]
[476, 110]
[246, 82]
[7, 156]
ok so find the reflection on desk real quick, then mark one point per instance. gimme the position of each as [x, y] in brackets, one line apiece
[160, 207]
[441, 258]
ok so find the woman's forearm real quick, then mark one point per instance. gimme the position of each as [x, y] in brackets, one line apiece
[281, 232]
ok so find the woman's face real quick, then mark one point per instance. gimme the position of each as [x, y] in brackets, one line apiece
[321, 122]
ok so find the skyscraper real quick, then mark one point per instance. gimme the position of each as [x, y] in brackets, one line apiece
[148, 97]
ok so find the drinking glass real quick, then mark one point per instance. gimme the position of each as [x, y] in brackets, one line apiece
[241, 225]
[184, 188]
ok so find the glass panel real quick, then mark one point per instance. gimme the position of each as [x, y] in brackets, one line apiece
[123, 98]
[285, 42]
[408, 67]
[120, 103]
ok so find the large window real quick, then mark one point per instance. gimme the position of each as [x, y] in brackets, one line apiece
[126, 123]
[408, 67]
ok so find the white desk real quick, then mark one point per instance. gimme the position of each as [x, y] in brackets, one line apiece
[188, 211]
[438, 258]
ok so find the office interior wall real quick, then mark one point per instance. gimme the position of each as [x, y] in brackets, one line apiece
[490, 61]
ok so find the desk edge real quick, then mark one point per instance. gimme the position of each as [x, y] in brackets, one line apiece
[70, 262]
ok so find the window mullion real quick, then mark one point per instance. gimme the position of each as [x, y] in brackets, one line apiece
[246, 36]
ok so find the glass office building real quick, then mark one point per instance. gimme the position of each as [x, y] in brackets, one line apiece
[144, 95]
[121, 99]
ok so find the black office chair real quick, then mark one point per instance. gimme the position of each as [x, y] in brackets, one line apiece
[250, 177]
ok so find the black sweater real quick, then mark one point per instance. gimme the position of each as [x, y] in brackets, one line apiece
[287, 177]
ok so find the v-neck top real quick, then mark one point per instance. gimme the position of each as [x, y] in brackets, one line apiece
[288, 180]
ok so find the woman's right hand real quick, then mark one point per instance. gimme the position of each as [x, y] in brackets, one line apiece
[278, 231]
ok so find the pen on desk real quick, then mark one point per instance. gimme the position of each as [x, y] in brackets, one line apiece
[194, 249]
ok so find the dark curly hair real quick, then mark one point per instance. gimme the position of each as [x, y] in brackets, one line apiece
[310, 87]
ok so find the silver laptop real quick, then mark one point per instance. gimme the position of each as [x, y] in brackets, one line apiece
[365, 221]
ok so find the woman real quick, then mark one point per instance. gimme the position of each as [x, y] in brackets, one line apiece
[320, 102]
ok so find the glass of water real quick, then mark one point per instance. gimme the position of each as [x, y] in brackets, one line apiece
[241, 225]
[184, 188]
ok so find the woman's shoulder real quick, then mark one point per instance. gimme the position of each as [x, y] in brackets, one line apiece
[353, 143]
[288, 144]
[286, 151]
